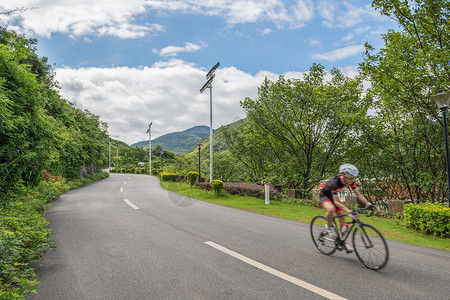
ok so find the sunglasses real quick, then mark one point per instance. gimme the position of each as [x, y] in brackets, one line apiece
[350, 177]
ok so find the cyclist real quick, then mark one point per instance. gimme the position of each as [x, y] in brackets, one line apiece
[330, 201]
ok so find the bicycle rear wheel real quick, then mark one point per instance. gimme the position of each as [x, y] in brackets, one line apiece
[321, 239]
[370, 247]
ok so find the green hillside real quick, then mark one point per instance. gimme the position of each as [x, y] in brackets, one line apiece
[186, 142]
[178, 142]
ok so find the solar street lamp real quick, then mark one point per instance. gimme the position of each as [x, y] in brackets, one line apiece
[210, 77]
[442, 99]
[149, 131]
[199, 176]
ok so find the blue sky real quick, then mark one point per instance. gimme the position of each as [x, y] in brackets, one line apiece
[140, 61]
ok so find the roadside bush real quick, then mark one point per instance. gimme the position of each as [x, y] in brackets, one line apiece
[217, 186]
[251, 190]
[429, 218]
[192, 177]
[203, 185]
[133, 170]
[167, 176]
[24, 235]
[77, 183]
[143, 171]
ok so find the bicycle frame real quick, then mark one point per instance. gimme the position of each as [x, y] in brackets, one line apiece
[353, 224]
[341, 241]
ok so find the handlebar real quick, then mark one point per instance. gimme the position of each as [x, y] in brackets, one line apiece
[357, 211]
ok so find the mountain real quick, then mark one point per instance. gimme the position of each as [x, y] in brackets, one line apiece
[178, 142]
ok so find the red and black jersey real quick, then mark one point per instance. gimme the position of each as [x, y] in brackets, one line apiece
[334, 185]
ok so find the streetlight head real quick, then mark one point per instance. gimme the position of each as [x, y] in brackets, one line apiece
[149, 127]
[213, 69]
[442, 99]
[199, 146]
[207, 84]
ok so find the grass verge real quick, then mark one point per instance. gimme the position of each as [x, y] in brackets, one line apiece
[390, 228]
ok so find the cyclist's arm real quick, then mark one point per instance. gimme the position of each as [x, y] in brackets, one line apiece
[361, 198]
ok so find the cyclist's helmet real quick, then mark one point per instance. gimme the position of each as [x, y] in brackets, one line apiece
[348, 170]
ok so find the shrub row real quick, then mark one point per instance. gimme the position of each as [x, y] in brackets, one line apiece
[429, 218]
[167, 176]
[243, 189]
[252, 190]
[131, 171]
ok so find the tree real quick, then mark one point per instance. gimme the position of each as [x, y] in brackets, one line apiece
[298, 128]
[404, 137]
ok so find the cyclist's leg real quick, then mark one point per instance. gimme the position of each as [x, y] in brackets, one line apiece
[340, 212]
[330, 207]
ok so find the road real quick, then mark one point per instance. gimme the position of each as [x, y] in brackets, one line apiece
[126, 238]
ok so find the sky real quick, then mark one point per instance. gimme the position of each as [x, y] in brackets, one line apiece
[139, 61]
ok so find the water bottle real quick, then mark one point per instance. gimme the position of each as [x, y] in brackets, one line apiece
[345, 229]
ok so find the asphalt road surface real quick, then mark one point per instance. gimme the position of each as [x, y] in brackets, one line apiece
[126, 238]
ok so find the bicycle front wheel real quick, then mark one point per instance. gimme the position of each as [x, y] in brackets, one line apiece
[321, 239]
[370, 247]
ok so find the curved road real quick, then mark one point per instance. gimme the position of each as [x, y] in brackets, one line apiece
[126, 238]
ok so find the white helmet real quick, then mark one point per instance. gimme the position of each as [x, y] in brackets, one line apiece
[348, 170]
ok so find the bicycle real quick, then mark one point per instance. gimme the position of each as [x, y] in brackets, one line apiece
[368, 243]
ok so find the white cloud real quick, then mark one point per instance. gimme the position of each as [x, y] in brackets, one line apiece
[314, 42]
[243, 11]
[338, 14]
[339, 54]
[79, 18]
[166, 94]
[265, 31]
[172, 51]
[117, 18]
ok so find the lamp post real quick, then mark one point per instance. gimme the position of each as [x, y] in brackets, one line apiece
[109, 162]
[149, 131]
[199, 176]
[162, 160]
[210, 77]
[442, 99]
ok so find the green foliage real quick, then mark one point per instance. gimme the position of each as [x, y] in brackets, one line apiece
[217, 187]
[38, 129]
[192, 177]
[90, 178]
[405, 150]
[299, 130]
[167, 176]
[429, 218]
[24, 235]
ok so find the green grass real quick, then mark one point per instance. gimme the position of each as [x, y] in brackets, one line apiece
[391, 229]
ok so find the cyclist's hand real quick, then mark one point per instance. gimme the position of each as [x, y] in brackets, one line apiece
[353, 215]
[373, 207]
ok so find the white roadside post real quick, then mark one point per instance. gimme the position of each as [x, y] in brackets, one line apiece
[267, 193]
[149, 131]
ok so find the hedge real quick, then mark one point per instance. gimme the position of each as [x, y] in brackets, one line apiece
[252, 190]
[243, 189]
[167, 176]
[429, 218]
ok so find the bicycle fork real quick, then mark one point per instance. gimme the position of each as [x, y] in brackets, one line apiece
[364, 237]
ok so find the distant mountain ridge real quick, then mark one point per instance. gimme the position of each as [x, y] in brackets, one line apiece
[178, 142]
